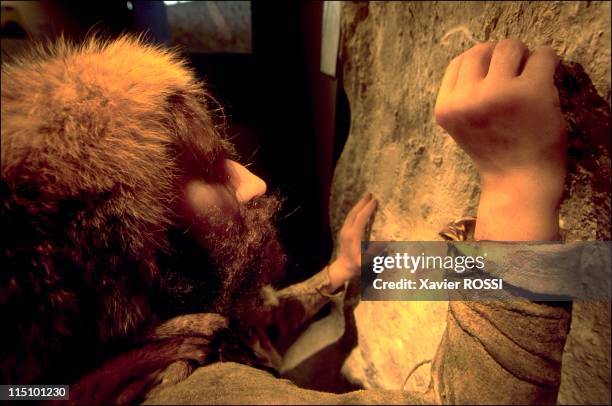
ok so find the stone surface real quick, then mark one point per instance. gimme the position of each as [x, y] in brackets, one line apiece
[211, 26]
[394, 55]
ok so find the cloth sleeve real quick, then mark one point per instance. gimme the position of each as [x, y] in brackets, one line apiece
[290, 307]
[502, 352]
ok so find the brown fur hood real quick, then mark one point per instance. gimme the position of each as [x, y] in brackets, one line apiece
[93, 138]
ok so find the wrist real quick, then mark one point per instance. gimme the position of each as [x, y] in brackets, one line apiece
[338, 272]
[542, 184]
[521, 207]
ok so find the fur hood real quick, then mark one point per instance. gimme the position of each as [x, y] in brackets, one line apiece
[93, 138]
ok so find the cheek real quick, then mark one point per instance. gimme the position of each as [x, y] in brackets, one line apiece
[202, 199]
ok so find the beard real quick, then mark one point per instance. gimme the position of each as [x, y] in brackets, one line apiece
[222, 267]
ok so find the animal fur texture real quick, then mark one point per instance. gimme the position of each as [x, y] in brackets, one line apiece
[93, 138]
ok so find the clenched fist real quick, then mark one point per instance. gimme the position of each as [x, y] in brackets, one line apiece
[499, 102]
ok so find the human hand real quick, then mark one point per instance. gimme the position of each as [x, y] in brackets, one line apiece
[347, 264]
[508, 120]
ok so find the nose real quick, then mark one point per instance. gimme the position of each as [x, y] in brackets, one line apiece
[246, 184]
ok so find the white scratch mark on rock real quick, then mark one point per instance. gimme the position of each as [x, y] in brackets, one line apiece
[463, 30]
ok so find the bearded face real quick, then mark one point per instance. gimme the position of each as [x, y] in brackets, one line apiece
[116, 183]
[223, 250]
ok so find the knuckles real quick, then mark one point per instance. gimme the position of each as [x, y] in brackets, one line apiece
[509, 45]
[478, 49]
[547, 52]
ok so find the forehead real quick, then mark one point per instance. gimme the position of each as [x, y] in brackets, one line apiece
[198, 146]
[197, 137]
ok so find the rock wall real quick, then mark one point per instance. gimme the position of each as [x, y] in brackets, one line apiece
[394, 55]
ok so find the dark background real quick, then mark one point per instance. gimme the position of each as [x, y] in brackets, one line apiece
[289, 120]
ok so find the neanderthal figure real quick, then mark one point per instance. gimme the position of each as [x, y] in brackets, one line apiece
[123, 209]
[136, 249]
[93, 140]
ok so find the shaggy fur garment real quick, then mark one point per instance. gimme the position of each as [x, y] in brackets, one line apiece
[93, 138]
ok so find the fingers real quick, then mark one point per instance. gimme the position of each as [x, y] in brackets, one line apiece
[475, 64]
[350, 217]
[507, 60]
[363, 216]
[450, 76]
[541, 65]
[349, 243]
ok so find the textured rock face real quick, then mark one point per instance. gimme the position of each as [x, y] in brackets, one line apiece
[394, 56]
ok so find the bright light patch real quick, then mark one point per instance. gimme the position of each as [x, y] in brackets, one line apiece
[172, 3]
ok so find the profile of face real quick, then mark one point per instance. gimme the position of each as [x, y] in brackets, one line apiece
[124, 208]
[225, 246]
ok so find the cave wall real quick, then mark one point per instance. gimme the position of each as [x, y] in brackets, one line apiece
[394, 56]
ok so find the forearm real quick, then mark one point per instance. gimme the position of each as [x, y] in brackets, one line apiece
[499, 102]
[288, 308]
[500, 353]
[504, 351]
[512, 350]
